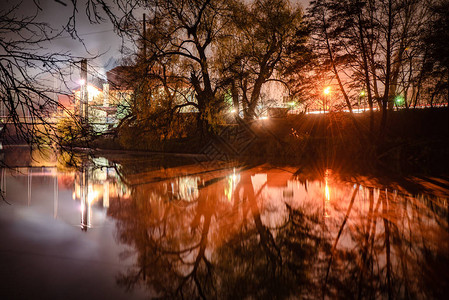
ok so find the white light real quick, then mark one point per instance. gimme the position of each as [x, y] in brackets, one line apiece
[82, 81]
[92, 91]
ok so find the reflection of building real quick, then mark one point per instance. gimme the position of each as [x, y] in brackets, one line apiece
[96, 186]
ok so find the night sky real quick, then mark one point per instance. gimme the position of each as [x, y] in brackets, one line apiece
[99, 39]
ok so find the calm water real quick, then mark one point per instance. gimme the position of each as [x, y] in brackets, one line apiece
[142, 227]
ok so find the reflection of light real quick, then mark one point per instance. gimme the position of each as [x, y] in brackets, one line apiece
[232, 182]
[327, 193]
[92, 196]
[186, 188]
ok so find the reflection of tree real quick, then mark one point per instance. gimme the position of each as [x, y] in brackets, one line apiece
[389, 257]
[382, 244]
[170, 238]
[259, 262]
[208, 248]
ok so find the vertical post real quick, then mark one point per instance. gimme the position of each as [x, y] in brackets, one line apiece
[144, 36]
[85, 204]
[86, 195]
[83, 201]
[84, 99]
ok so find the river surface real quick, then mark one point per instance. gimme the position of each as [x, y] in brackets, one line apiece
[139, 227]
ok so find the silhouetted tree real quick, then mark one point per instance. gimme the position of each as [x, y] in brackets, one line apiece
[257, 49]
[437, 40]
[29, 66]
[370, 46]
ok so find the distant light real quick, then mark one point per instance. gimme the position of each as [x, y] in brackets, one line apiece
[233, 110]
[327, 90]
[362, 93]
[292, 103]
[399, 100]
[82, 81]
[263, 118]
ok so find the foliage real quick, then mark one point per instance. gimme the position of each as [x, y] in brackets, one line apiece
[259, 49]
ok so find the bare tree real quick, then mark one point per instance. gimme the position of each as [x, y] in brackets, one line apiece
[370, 46]
[29, 66]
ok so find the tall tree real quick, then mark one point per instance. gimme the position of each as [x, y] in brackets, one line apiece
[180, 43]
[258, 49]
[437, 39]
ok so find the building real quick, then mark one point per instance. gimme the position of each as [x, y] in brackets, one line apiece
[108, 101]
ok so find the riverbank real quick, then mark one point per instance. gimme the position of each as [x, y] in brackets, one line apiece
[413, 139]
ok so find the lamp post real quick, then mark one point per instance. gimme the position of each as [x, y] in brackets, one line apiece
[84, 99]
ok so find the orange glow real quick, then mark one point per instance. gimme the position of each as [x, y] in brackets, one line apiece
[327, 90]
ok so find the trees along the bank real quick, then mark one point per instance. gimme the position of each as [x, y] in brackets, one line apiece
[202, 54]
[369, 46]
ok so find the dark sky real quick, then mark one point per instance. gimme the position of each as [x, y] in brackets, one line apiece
[98, 38]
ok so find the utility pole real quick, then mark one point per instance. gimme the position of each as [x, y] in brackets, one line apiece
[144, 35]
[84, 98]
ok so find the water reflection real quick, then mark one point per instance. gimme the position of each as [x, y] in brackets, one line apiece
[231, 231]
[95, 183]
[261, 232]
[43, 252]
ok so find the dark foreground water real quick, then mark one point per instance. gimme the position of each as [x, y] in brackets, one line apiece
[142, 227]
